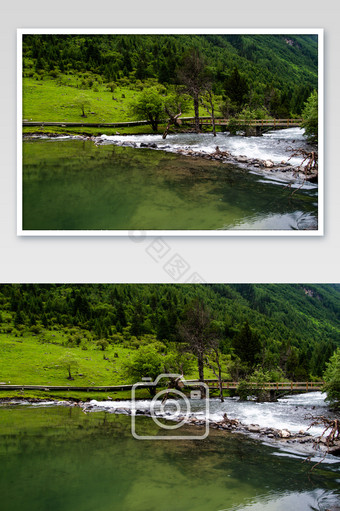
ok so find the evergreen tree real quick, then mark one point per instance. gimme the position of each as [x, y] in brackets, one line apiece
[247, 345]
[236, 88]
[310, 117]
[332, 378]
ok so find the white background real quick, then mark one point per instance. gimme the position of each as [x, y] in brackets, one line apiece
[89, 259]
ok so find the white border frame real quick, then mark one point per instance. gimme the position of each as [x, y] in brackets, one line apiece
[216, 233]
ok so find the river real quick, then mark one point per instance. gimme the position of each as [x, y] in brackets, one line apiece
[289, 412]
[62, 459]
[275, 145]
[71, 184]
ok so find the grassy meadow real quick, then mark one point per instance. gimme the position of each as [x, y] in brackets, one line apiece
[31, 359]
[56, 101]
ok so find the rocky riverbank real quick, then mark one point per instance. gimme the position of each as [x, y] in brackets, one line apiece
[284, 436]
[303, 439]
[271, 435]
[283, 171]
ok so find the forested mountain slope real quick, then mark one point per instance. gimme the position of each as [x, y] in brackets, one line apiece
[295, 327]
[277, 71]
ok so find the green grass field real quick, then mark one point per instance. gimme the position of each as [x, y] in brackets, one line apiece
[37, 360]
[49, 100]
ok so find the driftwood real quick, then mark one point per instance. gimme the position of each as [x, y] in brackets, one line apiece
[330, 435]
[310, 169]
[220, 154]
[332, 427]
[174, 383]
[173, 119]
[229, 422]
[309, 164]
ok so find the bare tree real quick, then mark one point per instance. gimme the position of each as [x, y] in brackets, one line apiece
[198, 335]
[208, 104]
[193, 76]
[213, 360]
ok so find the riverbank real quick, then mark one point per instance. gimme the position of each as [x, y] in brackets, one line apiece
[290, 170]
[283, 170]
[73, 396]
[308, 441]
[305, 440]
[56, 131]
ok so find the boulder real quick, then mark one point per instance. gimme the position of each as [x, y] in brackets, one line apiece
[150, 145]
[268, 164]
[254, 428]
[335, 448]
[323, 440]
[305, 440]
[241, 159]
[284, 433]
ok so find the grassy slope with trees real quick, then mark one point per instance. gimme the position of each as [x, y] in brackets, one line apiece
[258, 75]
[104, 334]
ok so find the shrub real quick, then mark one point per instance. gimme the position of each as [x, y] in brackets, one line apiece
[310, 116]
[332, 378]
[243, 390]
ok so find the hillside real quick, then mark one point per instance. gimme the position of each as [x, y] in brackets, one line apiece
[266, 58]
[295, 328]
[273, 73]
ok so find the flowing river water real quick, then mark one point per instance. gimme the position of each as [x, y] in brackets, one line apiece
[275, 145]
[62, 459]
[71, 184]
[289, 412]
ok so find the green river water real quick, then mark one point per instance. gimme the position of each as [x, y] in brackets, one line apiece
[74, 185]
[61, 459]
